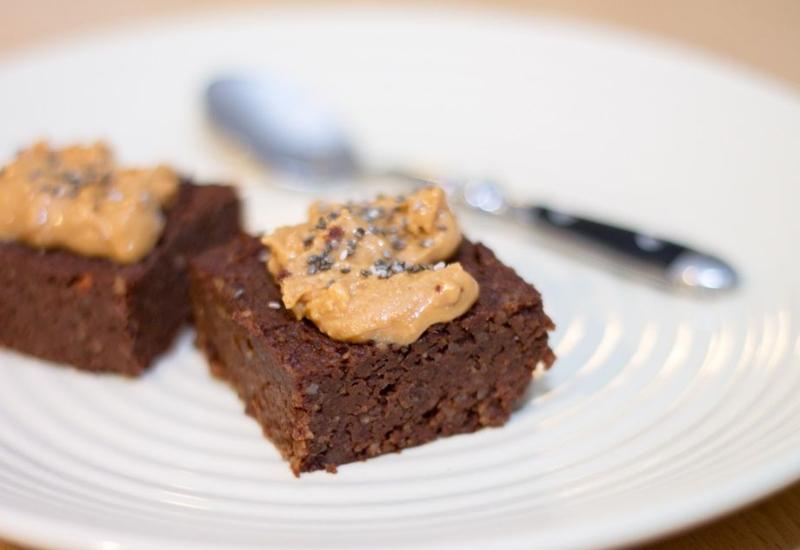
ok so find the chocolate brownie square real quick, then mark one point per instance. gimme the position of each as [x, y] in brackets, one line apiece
[102, 316]
[325, 402]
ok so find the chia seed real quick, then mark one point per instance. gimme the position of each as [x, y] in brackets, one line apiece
[73, 178]
[359, 232]
[398, 243]
[398, 267]
[382, 269]
[372, 213]
[365, 273]
[318, 263]
[344, 269]
[308, 241]
[321, 224]
[329, 247]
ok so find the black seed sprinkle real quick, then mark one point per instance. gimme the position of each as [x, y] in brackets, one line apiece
[321, 224]
[359, 232]
[372, 213]
[398, 267]
[364, 273]
[398, 243]
[308, 241]
[73, 178]
[345, 270]
[333, 215]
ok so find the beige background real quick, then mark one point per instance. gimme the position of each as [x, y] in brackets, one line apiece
[761, 34]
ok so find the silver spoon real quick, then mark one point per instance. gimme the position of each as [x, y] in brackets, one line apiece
[291, 131]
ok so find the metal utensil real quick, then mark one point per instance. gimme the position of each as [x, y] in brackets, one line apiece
[292, 131]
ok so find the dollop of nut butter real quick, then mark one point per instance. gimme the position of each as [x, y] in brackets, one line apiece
[373, 271]
[78, 199]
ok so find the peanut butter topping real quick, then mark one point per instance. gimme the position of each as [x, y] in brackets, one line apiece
[77, 198]
[373, 271]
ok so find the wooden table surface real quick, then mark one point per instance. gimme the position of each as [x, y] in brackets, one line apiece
[761, 34]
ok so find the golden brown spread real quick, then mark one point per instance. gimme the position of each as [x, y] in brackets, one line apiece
[77, 198]
[373, 271]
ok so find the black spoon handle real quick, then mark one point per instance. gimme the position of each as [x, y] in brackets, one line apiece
[675, 262]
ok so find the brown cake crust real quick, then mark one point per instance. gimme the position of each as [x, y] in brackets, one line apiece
[102, 316]
[325, 402]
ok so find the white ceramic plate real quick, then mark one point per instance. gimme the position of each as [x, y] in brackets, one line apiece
[661, 412]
